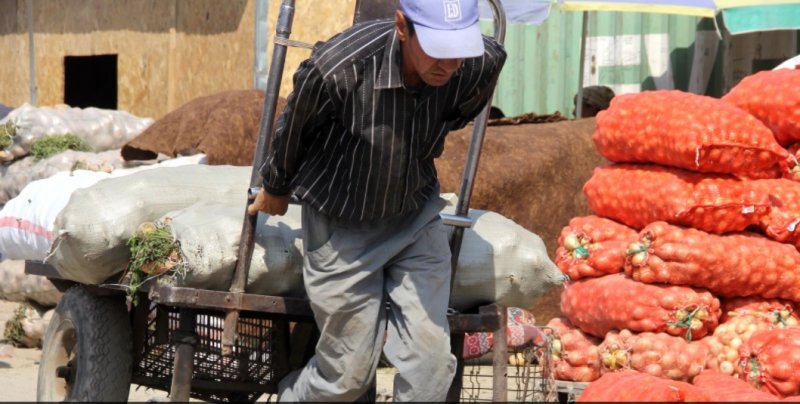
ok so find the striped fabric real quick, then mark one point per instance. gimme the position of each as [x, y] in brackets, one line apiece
[353, 141]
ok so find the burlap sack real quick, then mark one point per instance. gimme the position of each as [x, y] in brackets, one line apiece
[92, 230]
[224, 126]
[499, 262]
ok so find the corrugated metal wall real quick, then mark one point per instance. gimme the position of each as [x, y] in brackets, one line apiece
[629, 52]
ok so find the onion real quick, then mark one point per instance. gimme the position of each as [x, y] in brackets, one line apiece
[518, 359]
[571, 242]
[726, 367]
[635, 247]
[639, 259]
[732, 355]
[674, 374]
[653, 369]
[556, 346]
[621, 358]
[697, 324]
[609, 360]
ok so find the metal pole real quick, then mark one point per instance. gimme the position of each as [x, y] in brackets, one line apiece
[474, 151]
[260, 45]
[584, 35]
[185, 340]
[31, 53]
[462, 206]
[282, 31]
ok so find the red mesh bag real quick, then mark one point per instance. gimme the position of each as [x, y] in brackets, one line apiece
[773, 97]
[615, 302]
[779, 312]
[725, 388]
[638, 195]
[592, 246]
[689, 131]
[731, 265]
[657, 354]
[725, 344]
[631, 386]
[575, 354]
[771, 361]
[784, 216]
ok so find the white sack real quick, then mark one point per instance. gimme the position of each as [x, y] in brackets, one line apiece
[101, 129]
[17, 286]
[92, 230]
[500, 261]
[14, 177]
[27, 220]
[209, 238]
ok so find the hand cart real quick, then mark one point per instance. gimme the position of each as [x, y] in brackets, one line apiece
[227, 346]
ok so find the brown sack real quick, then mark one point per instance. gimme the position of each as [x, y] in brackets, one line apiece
[224, 126]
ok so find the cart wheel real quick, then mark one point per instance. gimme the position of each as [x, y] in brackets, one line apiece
[86, 354]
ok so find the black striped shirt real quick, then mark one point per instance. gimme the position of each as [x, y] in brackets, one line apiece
[353, 141]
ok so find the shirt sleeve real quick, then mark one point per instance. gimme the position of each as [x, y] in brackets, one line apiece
[476, 99]
[307, 107]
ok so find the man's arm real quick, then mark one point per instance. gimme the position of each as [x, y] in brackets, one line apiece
[308, 106]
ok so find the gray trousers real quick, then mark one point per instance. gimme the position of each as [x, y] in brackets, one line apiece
[350, 271]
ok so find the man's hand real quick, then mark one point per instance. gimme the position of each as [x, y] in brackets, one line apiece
[269, 204]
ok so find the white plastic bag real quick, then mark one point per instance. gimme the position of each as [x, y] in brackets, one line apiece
[101, 129]
[92, 230]
[27, 220]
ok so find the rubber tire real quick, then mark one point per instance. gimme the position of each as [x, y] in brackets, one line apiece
[99, 328]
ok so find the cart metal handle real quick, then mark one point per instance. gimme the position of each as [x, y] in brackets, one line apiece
[282, 32]
[474, 151]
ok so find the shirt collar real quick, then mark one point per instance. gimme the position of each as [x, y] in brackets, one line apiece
[390, 74]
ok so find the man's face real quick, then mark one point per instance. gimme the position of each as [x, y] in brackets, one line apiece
[434, 72]
[417, 65]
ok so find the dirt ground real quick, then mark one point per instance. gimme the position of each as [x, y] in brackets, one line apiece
[19, 367]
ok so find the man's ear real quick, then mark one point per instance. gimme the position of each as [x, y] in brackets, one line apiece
[400, 25]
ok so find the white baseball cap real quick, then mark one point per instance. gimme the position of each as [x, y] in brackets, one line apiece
[446, 29]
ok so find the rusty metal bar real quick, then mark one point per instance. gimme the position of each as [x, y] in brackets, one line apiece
[482, 322]
[282, 31]
[185, 340]
[213, 299]
[457, 349]
[139, 314]
[499, 355]
[295, 308]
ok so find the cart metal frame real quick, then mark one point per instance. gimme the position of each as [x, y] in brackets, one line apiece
[167, 321]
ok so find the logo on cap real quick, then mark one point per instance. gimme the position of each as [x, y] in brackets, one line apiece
[452, 10]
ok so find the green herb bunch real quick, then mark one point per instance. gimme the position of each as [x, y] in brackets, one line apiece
[48, 146]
